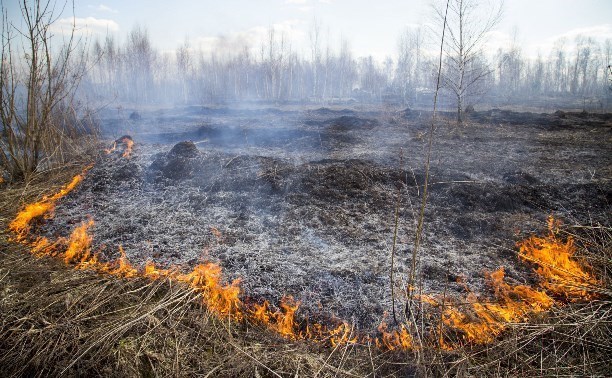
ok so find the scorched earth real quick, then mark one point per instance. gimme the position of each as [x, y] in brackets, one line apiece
[302, 202]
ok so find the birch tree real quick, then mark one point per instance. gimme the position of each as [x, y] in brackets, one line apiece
[468, 24]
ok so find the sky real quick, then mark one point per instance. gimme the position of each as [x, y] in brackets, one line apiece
[372, 27]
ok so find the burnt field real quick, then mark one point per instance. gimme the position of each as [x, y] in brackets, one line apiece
[302, 202]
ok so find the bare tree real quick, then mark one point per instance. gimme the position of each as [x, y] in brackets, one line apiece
[38, 81]
[315, 51]
[407, 72]
[184, 66]
[468, 22]
[347, 69]
[140, 57]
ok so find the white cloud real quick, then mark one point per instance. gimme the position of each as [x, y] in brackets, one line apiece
[103, 8]
[598, 32]
[306, 3]
[542, 47]
[87, 25]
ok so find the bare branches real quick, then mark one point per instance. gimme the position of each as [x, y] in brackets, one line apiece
[469, 22]
[37, 86]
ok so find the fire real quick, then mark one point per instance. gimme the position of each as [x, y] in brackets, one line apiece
[112, 149]
[222, 299]
[128, 144]
[152, 272]
[485, 320]
[120, 267]
[472, 320]
[282, 321]
[342, 335]
[562, 274]
[20, 226]
[396, 339]
[79, 247]
[261, 313]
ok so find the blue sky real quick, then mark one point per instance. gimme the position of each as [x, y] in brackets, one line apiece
[371, 26]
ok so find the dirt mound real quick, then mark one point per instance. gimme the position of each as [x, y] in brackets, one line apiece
[554, 121]
[124, 140]
[185, 149]
[347, 123]
[406, 113]
[178, 164]
[350, 180]
[330, 112]
[520, 178]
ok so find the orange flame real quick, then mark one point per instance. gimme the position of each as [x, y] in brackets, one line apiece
[120, 267]
[20, 226]
[112, 149]
[342, 335]
[221, 299]
[396, 339]
[485, 320]
[79, 247]
[129, 143]
[562, 274]
[281, 321]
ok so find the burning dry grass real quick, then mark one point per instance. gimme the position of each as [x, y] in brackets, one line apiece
[81, 323]
[78, 323]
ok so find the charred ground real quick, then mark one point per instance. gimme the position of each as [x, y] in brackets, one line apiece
[301, 202]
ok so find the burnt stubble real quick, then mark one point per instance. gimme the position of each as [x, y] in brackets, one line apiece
[301, 202]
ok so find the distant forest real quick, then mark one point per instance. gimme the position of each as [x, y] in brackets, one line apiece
[136, 72]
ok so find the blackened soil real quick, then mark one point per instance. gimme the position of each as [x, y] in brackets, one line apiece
[302, 202]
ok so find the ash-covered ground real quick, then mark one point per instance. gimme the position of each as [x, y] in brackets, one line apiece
[302, 202]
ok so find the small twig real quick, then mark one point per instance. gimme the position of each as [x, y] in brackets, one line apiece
[230, 161]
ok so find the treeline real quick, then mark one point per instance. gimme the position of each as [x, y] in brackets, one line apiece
[136, 72]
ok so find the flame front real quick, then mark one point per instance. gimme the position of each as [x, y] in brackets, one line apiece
[561, 274]
[111, 149]
[480, 322]
[396, 339]
[129, 144]
[79, 246]
[469, 321]
[222, 299]
[20, 226]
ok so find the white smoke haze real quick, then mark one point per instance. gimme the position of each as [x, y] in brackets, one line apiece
[235, 43]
